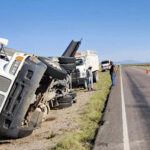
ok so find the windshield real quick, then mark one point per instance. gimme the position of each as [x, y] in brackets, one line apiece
[105, 62]
[79, 62]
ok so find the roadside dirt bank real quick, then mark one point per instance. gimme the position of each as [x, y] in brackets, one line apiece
[52, 130]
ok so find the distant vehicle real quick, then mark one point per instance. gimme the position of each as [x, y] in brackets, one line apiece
[105, 65]
[84, 59]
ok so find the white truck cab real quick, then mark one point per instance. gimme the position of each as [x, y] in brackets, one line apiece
[105, 65]
[20, 75]
[81, 71]
[84, 59]
[9, 70]
[81, 66]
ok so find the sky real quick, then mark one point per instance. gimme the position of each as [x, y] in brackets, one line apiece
[117, 29]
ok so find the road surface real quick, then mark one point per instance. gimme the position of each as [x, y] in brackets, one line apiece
[127, 117]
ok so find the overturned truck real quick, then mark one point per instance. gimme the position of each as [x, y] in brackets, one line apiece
[30, 86]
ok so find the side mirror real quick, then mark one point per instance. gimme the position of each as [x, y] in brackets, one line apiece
[3, 42]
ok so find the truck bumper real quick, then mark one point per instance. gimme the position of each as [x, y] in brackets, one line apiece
[79, 81]
[20, 97]
[76, 80]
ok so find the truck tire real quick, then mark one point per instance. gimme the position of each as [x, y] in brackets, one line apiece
[73, 94]
[96, 76]
[65, 99]
[66, 60]
[64, 105]
[69, 67]
[53, 69]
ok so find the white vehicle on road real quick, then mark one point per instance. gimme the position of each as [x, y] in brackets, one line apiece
[105, 65]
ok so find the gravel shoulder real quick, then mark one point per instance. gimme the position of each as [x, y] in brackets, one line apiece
[52, 130]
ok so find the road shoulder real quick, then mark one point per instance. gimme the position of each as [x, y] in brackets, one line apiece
[110, 135]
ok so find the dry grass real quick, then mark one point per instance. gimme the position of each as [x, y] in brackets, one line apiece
[52, 135]
[81, 138]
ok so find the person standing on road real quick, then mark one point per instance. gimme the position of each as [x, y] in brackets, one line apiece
[90, 78]
[112, 73]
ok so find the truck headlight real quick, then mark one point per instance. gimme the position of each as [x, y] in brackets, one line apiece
[15, 65]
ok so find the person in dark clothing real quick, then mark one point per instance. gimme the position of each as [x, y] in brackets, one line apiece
[112, 73]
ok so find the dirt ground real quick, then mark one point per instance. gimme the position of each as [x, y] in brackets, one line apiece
[52, 130]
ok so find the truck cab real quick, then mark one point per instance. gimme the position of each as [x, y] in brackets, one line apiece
[28, 90]
[9, 70]
[105, 65]
[84, 59]
[81, 75]
[20, 77]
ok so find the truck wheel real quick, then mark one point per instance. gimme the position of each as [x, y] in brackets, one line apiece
[65, 99]
[53, 69]
[64, 105]
[66, 60]
[69, 67]
[73, 94]
[96, 76]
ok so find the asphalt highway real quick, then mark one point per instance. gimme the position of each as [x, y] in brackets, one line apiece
[127, 116]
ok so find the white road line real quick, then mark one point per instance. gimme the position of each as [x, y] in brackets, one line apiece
[124, 118]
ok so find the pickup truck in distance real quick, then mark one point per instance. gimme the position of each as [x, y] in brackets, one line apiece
[28, 91]
[105, 65]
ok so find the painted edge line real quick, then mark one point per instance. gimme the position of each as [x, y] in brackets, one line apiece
[124, 117]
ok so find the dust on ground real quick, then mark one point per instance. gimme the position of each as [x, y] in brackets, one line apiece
[51, 131]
